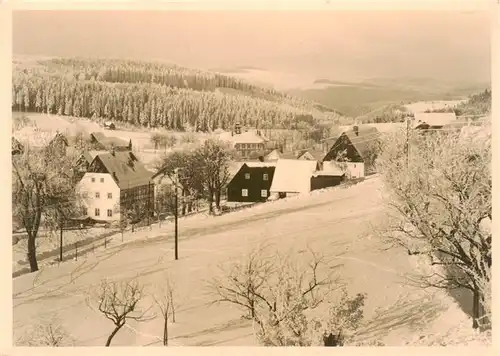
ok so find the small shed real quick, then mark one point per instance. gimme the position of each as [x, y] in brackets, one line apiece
[327, 178]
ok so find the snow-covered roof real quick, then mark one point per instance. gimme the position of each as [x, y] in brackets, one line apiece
[293, 176]
[329, 170]
[434, 118]
[260, 164]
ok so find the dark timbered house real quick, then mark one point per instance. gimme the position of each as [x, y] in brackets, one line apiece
[251, 183]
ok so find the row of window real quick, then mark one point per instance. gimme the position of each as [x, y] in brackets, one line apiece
[93, 180]
[97, 212]
[263, 193]
[250, 145]
[97, 195]
[265, 176]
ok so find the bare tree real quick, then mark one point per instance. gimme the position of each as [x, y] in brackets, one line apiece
[118, 302]
[214, 157]
[49, 334]
[43, 193]
[167, 305]
[277, 293]
[243, 282]
[441, 195]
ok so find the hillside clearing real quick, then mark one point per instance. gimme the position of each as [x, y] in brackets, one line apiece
[337, 222]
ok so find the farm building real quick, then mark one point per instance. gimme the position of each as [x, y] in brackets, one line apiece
[433, 121]
[293, 176]
[251, 183]
[100, 141]
[116, 182]
[109, 125]
[352, 151]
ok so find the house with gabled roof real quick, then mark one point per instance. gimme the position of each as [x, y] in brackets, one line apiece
[433, 120]
[351, 151]
[116, 182]
[311, 155]
[100, 141]
[16, 147]
[246, 143]
[293, 176]
[251, 183]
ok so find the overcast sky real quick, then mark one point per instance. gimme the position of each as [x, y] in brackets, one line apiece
[332, 44]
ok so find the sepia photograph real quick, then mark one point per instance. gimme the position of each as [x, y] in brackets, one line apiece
[269, 178]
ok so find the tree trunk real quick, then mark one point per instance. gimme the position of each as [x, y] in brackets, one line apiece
[165, 331]
[217, 198]
[32, 252]
[112, 335]
[475, 309]
[210, 202]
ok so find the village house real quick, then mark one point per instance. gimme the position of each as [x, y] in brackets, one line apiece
[311, 155]
[248, 143]
[434, 120]
[99, 142]
[328, 178]
[109, 125]
[352, 150]
[292, 177]
[116, 182]
[16, 147]
[251, 183]
[58, 144]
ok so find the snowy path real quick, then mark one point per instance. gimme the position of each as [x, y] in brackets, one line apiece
[338, 223]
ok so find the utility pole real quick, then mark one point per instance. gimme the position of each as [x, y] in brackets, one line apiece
[407, 142]
[61, 239]
[176, 214]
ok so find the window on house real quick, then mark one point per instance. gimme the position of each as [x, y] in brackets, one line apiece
[110, 213]
[354, 165]
[97, 212]
[85, 211]
[93, 180]
[97, 195]
[266, 176]
[110, 195]
[102, 180]
[247, 175]
[244, 192]
[263, 193]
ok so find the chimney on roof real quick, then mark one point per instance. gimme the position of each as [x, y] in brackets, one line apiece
[113, 150]
[237, 128]
[356, 129]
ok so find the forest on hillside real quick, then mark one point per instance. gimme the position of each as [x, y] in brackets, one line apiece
[476, 105]
[153, 94]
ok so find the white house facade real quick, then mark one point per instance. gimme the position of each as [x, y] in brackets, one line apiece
[100, 196]
[351, 169]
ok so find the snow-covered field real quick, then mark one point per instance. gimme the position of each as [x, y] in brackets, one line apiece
[421, 106]
[339, 222]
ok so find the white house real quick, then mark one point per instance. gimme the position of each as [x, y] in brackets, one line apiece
[100, 195]
[116, 182]
[351, 151]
